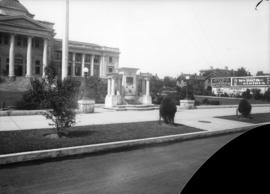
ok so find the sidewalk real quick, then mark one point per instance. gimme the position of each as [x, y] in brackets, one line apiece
[199, 118]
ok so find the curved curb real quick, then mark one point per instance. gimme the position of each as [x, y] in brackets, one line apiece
[96, 148]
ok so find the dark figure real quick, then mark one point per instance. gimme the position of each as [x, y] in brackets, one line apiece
[244, 108]
[167, 110]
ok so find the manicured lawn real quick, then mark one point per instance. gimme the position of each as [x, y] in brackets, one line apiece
[29, 140]
[256, 118]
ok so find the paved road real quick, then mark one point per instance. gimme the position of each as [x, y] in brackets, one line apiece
[162, 169]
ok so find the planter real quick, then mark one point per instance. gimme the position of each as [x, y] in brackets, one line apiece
[86, 105]
[187, 104]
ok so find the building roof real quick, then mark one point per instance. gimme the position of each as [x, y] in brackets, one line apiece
[14, 5]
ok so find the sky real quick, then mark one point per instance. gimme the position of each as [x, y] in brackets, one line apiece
[168, 37]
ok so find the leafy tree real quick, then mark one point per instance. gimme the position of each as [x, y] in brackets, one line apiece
[169, 82]
[167, 110]
[266, 95]
[50, 74]
[246, 94]
[242, 72]
[244, 108]
[36, 97]
[62, 114]
[259, 73]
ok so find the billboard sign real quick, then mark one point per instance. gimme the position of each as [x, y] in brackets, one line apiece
[251, 81]
[221, 82]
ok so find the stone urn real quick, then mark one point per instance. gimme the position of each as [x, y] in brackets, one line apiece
[86, 105]
[187, 104]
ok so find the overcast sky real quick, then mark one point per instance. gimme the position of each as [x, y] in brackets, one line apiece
[168, 37]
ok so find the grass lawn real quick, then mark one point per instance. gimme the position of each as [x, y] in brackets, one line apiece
[256, 118]
[29, 140]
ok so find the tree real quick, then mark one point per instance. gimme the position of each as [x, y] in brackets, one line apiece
[167, 110]
[242, 72]
[244, 108]
[62, 114]
[169, 82]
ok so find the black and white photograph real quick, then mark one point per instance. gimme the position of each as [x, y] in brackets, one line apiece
[134, 96]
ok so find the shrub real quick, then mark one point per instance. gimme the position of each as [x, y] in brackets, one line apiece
[266, 95]
[257, 94]
[246, 94]
[214, 102]
[62, 115]
[244, 107]
[36, 97]
[205, 101]
[167, 110]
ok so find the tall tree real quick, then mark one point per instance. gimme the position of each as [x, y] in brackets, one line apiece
[242, 72]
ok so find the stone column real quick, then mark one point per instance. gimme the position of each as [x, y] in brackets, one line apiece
[147, 87]
[73, 64]
[45, 57]
[83, 63]
[92, 65]
[11, 56]
[101, 66]
[29, 57]
[109, 87]
[112, 87]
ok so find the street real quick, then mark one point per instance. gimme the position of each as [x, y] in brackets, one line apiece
[159, 169]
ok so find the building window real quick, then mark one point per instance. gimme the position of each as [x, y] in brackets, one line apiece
[24, 42]
[19, 41]
[110, 69]
[78, 57]
[6, 39]
[37, 44]
[110, 60]
[37, 67]
[96, 60]
[69, 68]
[7, 67]
[78, 70]
[69, 56]
[87, 58]
[58, 55]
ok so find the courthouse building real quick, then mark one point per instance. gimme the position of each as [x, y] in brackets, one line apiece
[28, 45]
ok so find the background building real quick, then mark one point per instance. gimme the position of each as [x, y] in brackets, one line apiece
[27, 46]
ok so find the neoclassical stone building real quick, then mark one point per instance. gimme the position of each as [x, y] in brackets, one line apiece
[28, 45]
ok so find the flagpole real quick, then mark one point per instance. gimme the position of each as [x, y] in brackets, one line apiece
[65, 44]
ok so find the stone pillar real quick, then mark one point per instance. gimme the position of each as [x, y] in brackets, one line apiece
[45, 57]
[92, 65]
[29, 57]
[112, 87]
[11, 56]
[109, 87]
[83, 64]
[147, 92]
[73, 64]
[101, 66]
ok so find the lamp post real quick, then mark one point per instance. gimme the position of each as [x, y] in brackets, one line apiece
[187, 78]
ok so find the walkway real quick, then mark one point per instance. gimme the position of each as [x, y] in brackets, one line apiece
[199, 118]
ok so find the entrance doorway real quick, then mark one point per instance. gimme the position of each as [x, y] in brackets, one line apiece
[18, 65]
